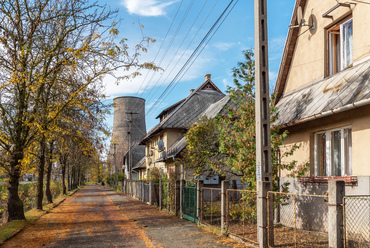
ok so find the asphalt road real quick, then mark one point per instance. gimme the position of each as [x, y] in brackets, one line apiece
[98, 217]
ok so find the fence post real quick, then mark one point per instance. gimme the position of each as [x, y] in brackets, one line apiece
[270, 209]
[177, 198]
[160, 194]
[142, 191]
[262, 213]
[224, 200]
[168, 196]
[182, 184]
[199, 200]
[151, 191]
[335, 213]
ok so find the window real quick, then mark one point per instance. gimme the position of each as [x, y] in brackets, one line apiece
[340, 45]
[333, 151]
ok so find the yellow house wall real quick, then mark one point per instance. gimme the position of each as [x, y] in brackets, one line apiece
[309, 58]
[169, 137]
[303, 135]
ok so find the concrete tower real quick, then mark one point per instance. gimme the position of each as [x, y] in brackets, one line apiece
[126, 108]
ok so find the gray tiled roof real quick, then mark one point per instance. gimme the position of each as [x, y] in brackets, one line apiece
[176, 147]
[140, 164]
[218, 107]
[187, 112]
[211, 112]
[339, 90]
[138, 152]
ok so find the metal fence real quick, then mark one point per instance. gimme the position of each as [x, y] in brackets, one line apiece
[189, 203]
[356, 215]
[211, 206]
[299, 220]
[156, 194]
[241, 216]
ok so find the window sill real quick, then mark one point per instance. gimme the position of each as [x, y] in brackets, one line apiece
[325, 179]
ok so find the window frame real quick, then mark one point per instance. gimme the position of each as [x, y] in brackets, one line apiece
[328, 42]
[329, 167]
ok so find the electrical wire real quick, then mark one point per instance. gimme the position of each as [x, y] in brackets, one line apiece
[154, 106]
[202, 49]
[173, 20]
[168, 74]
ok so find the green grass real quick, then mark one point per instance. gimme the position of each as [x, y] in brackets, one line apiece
[9, 229]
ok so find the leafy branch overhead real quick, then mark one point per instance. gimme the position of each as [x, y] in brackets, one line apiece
[53, 57]
[226, 144]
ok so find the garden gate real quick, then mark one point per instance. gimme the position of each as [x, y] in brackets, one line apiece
[189, 203]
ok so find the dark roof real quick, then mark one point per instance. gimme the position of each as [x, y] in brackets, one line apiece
[219, 107]
[339, 92]
[140, 164]
[176, 147]
[286, 59]
[138, 152]
[187, 112]
[170, 108]
[207, 85]
[211, 112]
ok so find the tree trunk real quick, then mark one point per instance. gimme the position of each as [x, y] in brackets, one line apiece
[49, 196]
[68, 177]
[40, 180]
[63, 165]
[14, 209]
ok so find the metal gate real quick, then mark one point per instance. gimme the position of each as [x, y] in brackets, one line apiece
[189, 203]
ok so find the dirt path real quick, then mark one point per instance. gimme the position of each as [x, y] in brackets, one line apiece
[86, 219]
[98, 217]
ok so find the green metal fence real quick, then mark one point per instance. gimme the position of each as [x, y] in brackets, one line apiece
[189, 203]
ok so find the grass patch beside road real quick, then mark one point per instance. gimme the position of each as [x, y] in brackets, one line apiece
[12, 228]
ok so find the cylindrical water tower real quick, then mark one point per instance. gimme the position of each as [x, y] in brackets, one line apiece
[126, 109]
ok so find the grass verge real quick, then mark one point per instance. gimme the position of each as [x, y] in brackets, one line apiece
[12, 228]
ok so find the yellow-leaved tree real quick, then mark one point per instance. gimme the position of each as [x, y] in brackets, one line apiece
[51, 52]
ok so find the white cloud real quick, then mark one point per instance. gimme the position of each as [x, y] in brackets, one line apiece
[224, 46]
[201, 66]
[146, 7]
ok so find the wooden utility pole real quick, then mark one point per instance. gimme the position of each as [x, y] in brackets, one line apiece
[263, 132]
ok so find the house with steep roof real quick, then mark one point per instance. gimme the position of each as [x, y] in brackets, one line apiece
[137, 152]
[161, 141]
[323, 94]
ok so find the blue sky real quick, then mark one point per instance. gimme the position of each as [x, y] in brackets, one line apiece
[218, 57]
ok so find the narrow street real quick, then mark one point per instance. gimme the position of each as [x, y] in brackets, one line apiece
[98, 217]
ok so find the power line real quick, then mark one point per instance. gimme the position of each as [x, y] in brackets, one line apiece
[190, 58]
[168, 74]
[171, 42]
[173, 20]
[202, 49]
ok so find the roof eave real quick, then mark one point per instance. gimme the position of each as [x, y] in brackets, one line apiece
[288, 53]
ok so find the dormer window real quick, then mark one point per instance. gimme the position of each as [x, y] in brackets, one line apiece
[340, 46]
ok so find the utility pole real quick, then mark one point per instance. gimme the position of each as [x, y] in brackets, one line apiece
[130, 146]
[263, 132]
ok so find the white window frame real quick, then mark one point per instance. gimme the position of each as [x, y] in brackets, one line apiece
[342, 55]
[328, 150]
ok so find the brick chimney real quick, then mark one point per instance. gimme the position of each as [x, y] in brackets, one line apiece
[208, 76]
